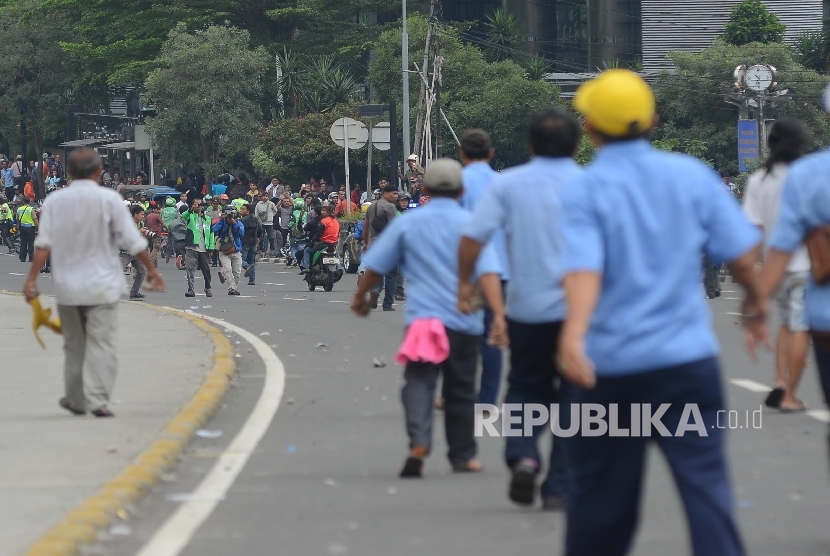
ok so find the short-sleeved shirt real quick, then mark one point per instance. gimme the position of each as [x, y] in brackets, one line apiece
[378, 209]
[477, 178]
[425, 242]
[805, 205]
[525, 203]
[762, 203]
[643, 218]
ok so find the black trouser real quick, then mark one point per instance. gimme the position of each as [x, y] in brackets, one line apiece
[193, 260]
[711, 276]
[10, 193]
[533, 379]
[459, 392]
[5, 227]
[27, 242]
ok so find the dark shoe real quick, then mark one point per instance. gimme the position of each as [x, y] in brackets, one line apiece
[248, 271]
[472, 466]
[190, 293]
[208, 293]
[136, 297]
[221, 277]
[64, 403]
[388, 308]
[413, 467]
[373, 300]
[252, 283]
[303, 272]
[231, 292]
[400, 297]
[553, 503]
[523, 483]
[103, 412]
[47, 270]
[717, 294]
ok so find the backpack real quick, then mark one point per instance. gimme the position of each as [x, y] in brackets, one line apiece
[379, 222]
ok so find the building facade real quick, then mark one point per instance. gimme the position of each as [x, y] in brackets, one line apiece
[591, 35]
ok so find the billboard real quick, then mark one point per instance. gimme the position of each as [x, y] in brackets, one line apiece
[747, 144]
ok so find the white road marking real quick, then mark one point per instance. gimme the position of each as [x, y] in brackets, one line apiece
[272, 284]
[819, 415]
[751, 385]
[16, 274]
[347, 302]
[735, 314]
[175, 534]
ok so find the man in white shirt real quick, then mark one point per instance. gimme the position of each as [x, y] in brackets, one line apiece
[82, 228]
[788, 140]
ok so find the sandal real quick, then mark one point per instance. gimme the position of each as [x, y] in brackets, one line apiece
[797, 409]
[103, 412]
[472, 466]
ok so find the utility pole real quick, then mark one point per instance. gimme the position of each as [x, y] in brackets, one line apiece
[419, 120]
[405, 71]
[437, 69]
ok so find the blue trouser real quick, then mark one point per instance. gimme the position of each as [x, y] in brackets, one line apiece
[388, 283]
[488, 391]
[249, 259]
[604, 505]
[533, 379]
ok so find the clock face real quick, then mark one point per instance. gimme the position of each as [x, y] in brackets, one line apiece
[759, 78]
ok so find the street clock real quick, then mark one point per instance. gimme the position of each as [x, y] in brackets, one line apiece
[760, 78]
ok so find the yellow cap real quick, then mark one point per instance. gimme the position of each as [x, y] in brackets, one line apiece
[617, 103]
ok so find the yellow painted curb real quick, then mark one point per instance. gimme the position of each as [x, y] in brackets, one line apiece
[96, 513]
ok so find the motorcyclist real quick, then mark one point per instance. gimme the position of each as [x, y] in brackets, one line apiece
[328, 229]
[313, 229]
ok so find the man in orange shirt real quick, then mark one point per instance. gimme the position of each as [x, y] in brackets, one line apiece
[331, 227]
[341, 208]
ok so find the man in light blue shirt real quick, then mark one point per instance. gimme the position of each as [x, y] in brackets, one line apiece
[425, 242]
[475, 153]
[805, 210]
[524, 202]
[638, 330]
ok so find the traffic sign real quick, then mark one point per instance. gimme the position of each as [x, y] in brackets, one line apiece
[381, 136]
[372, 110]
[358, 135]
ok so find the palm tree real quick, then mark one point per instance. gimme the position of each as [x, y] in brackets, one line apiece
[502, 36]
[290, 84]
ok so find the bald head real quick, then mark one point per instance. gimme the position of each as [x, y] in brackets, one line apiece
[84, 164]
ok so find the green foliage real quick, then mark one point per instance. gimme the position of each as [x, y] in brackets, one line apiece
[537, 68]
[586, 151]
[751, 21]
[811, 50]
[295, 148]
[496, 97]
[35, 77]
[691, 105]
[206, 92]
[503, 37]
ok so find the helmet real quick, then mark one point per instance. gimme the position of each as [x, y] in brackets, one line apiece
[365, 207]
[298, 204]
[169, 202]
[332, 196]
[229, 208]
[376, 192]
[223, 197]
[208, 198]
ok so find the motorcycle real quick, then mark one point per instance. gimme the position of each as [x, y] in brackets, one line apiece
[325, 269]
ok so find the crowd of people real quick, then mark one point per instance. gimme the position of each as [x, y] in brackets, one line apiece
[591, 276]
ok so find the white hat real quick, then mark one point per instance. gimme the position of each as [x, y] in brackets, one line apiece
[443, 174]
[412, 157]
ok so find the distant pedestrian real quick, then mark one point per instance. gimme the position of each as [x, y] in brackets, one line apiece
[88, 278]
[787, 141]
[28, 222]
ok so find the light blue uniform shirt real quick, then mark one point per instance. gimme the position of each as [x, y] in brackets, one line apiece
[805, 205]
[525, 202]
[643, 218]
[477, 178]
[425, 242]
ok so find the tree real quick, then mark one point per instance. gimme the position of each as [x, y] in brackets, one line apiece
[32, 92]
[206, 92]
[751, 21]
[691, 106]
[503, 38]
[812, 50]
[295, 148]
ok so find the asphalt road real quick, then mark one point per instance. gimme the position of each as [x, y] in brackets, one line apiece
[323, 480]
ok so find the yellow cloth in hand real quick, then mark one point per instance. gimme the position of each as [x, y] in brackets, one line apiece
[41, 317]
